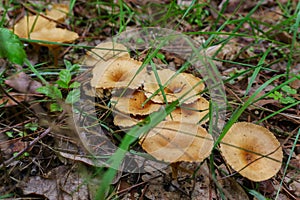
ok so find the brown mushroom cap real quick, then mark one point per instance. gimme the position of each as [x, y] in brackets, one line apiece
[58, 12]
[133, 104]
[182, 84]
[54, 35]
[30, 24]
[106, 51]
[124, 120]
[173, 141]
[244, 136]
[191, 113]
[120, 73]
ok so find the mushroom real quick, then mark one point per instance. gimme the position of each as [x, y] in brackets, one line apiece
[181, 84]
[174, 141]
[104, 52]
[58, 35]
[191, 113]
[123, 120]
[39, 28]
[122, 72]
[58, 12]
[30, 24]
[252, 150]
[135, 104]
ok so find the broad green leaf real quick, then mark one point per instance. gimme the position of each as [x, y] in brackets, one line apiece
[75, 85]
[73, 96]
[32, 126]
[11, 47]
[287, 100]
[9, 134]
[276, 95]
[68, 64]
[50, 91]
[54, 107]
[62, 84]
[71, 67]
[289, 90]
[65, 76]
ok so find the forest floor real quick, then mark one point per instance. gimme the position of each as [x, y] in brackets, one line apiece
[58, 134]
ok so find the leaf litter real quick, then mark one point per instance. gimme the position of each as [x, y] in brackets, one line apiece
[158, 184]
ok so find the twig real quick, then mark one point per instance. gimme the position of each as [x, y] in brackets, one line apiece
[34, 141]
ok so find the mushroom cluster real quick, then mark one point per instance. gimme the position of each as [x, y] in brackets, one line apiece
[137, 93]
[43, 27]
[251, 150]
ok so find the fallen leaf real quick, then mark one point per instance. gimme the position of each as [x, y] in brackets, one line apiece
[9, 102]
[60, 184]
[23, 83]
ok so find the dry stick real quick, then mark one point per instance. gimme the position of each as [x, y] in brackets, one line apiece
[31, 143]
[14, 100]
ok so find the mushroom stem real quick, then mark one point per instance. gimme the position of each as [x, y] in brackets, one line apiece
[175, 167]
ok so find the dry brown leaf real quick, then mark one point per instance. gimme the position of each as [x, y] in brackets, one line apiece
[232, 189]
[9, 102]
[23, 83]
[60, 184]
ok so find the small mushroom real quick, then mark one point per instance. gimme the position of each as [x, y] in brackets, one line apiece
[124, 121]
[181, 84]
[173, 141]
[122, 72]
[135, 104]
[252, 150]
[191, 113]
[58, 35]
[30, 24]
[105, 51]
[58, 12]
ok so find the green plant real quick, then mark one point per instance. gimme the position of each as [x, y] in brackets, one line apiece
[54, 92]
[284, 95]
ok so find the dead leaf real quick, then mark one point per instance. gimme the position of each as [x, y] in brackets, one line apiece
[9, 102]
[60, 184]
[232, 189]
[23, 83]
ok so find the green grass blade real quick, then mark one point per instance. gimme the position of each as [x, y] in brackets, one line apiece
[257, 70]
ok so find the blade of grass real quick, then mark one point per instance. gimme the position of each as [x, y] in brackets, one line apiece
[287, 163]
[257, 70]
[279, 111]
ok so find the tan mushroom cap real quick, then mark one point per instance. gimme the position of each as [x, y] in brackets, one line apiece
[173, 141]
[104, 52]
[253, 138]
[191, 113]
[124, 120]
[54, 35]
[133, 104]
[122, 72]
[180, 85]
[58, 12]
[30, 24]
